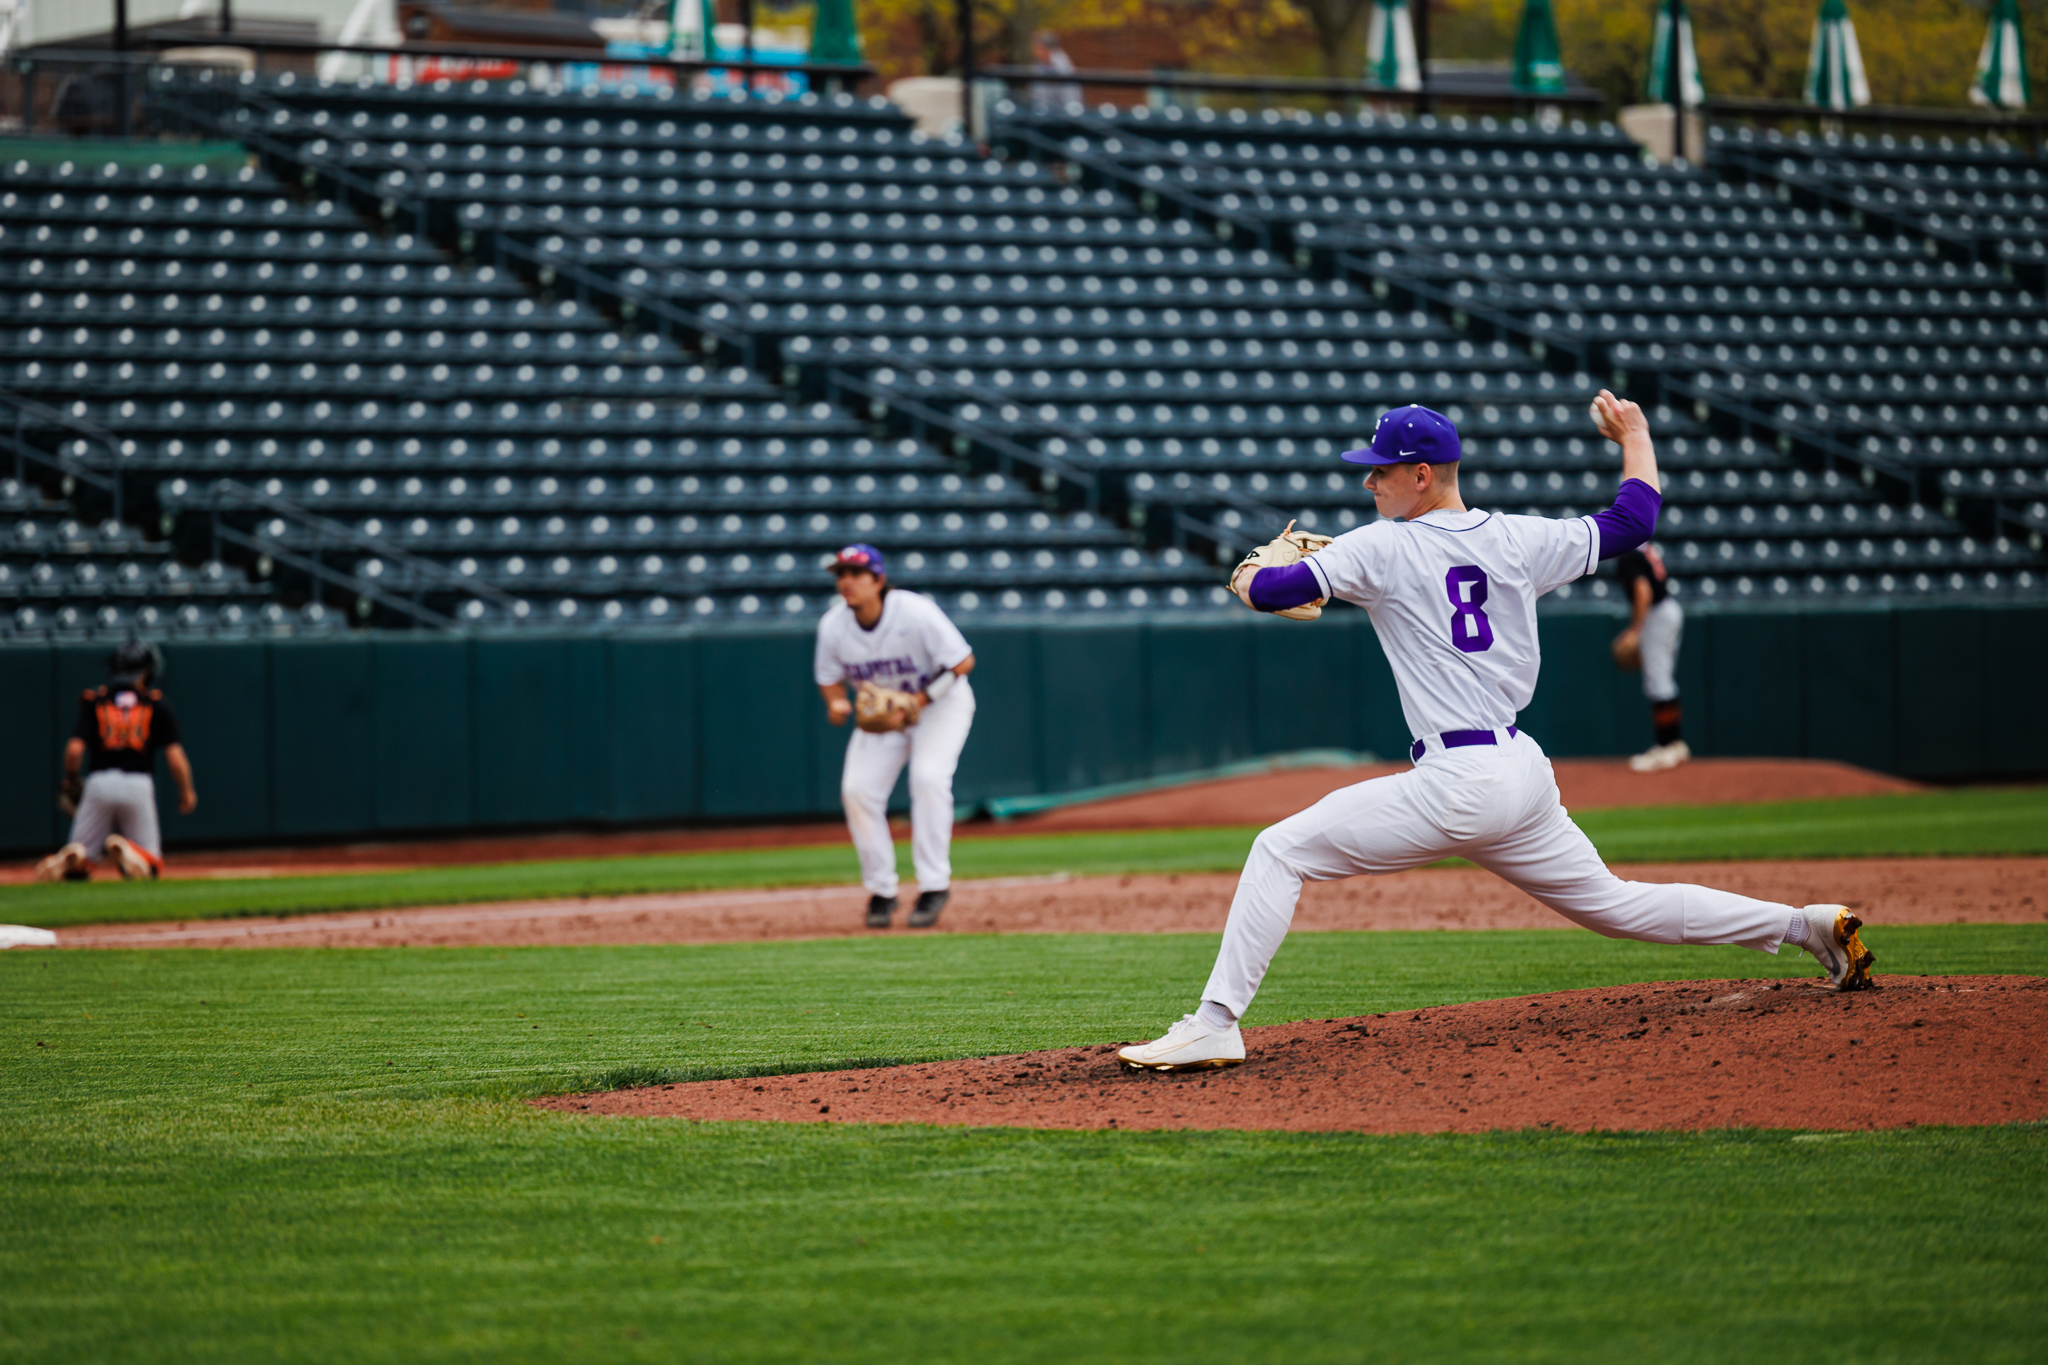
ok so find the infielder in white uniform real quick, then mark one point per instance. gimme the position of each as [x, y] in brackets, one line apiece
[911, 665]
[1452, 594]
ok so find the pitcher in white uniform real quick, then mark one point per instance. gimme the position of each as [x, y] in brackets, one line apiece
[1452, 595]
[898, 639]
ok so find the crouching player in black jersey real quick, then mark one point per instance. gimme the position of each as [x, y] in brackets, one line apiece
[122, 726]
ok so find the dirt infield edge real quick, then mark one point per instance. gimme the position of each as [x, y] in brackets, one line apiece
[1658, 1056]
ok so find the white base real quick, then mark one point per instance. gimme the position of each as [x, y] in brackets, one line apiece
[21, 936]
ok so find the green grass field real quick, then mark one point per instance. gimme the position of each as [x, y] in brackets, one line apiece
[1964, 822]
[321, 1155]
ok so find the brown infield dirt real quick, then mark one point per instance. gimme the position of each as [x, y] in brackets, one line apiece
[1687, 1055]
[1258, 799]
[1883, 890]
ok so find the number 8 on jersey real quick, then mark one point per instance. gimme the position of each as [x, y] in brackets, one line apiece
[1470, 630]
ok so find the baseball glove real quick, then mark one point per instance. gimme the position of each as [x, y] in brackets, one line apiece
[69, 793]
[1286, 548]
[1628, 651]
[879, 710]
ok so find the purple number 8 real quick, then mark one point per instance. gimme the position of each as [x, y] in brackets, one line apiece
[1470, 630]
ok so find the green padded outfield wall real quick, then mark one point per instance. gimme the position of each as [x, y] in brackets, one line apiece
[390, 734]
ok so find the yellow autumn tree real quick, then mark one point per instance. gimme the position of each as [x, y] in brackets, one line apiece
[1915, 52]
[906, 37]
[1002, 28]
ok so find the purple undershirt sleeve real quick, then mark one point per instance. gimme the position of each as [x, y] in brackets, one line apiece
[1630, 523]
[1289, 585]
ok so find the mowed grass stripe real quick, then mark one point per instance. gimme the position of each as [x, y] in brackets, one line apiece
[492, 1236]
[86, 1030]
[2012, 821]
[322, 1154]
[1964, 823]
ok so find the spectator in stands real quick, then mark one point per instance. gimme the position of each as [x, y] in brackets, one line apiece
[1047, 55]
[1656, 622]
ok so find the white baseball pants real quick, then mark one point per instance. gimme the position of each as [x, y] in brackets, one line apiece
[1661, 631]
[1494, 804]
[932, 748]
[117, 802]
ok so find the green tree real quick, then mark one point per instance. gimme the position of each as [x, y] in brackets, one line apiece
[1918, 52]
[1915, 52]
[1002, 28]
[1339, 28]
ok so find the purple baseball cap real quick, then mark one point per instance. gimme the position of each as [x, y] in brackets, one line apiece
[858, 556]
[1410, 435]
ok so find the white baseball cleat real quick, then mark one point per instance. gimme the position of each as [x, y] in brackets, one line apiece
[1189, 1045]
[1658, 757]
[133, 862]
[69, 863]
[1831, 938]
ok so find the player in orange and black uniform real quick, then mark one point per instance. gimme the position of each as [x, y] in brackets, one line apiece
[122, 726]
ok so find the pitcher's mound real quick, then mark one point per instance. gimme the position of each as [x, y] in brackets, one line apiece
[1704, 1054]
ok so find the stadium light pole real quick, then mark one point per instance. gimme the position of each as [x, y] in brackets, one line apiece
[121, 63]
[967, 68]
[747, 41]
[1677, 78]
[1422, 56]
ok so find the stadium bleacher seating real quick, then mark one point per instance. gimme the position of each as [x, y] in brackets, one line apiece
[1907, 359]
[518, 455]
[1983, 190]
[57, 574]
[1067, 319]
[225, 331]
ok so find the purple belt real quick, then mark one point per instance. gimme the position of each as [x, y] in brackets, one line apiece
[1457, 739]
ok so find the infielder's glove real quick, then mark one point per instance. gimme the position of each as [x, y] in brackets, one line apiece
[1286, 548]
[879, 709]
[69, 793]
[1628, 651]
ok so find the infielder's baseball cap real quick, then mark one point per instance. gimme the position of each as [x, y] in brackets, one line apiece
[861, 557]
[1410, 435]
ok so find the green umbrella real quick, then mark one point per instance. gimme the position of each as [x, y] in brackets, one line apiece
[1657, 80]
[689, 28]
[683, 39]
[834, 35]
[1390, 47]
[1834, 71]
[2002, 66]
[1538, 66]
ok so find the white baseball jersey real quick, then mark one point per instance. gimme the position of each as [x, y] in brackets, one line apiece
[1453, 597]
[912, 644]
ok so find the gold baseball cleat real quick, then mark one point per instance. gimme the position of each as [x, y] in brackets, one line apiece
[1834, 944]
